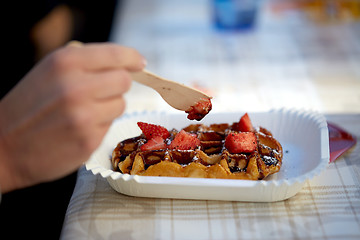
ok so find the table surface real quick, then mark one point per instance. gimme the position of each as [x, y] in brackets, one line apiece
[287, 60]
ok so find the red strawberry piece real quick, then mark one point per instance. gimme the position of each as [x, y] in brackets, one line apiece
[184, 141]
[152, 130]
[244, 125]
[155, 143]
[199, 110]
[242, 142]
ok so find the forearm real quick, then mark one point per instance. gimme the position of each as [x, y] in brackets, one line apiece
[7, 175]
[8, 170]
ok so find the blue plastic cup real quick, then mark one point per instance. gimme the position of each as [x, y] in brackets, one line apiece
[234, 14]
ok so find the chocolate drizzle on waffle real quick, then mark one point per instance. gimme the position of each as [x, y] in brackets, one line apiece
[211, 159]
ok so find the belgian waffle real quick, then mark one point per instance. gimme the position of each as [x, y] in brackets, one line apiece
[211, 159]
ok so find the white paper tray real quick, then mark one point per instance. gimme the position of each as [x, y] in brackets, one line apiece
[303, 135]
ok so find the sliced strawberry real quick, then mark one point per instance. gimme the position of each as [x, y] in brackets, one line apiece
[199, 110]
[244, 125]
[184, 141]
[152, 130]
[242, 142]
[155, 143]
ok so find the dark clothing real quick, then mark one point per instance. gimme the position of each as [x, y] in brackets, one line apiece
[39, 211]
[36, 212]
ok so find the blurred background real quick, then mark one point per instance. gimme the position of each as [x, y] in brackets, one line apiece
[247, 54]
[293, 54]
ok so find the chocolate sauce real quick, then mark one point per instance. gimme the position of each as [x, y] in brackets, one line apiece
[182, 157]
[128, 146]
[268, 160]
[269, 155]
[152, 157]
[238, 162]
[211, 136]
[211, 147]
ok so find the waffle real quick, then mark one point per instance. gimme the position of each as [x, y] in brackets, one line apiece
[210, 159]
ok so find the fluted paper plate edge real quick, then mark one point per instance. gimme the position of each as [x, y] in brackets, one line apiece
[279, 121]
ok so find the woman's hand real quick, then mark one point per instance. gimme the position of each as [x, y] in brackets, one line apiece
[57, 115]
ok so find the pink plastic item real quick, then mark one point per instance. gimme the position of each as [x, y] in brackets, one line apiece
[339, 141]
